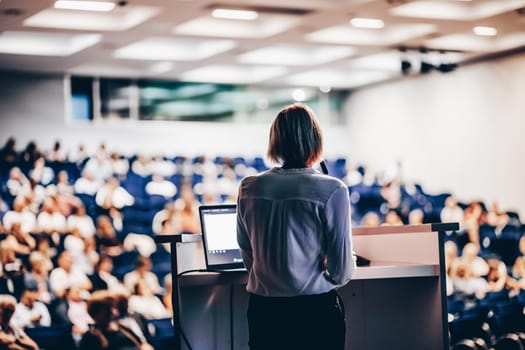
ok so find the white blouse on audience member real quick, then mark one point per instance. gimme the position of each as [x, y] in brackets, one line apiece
[83, 223]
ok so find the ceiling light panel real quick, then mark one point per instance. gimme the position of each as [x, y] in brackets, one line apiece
[45, 44]
[105, 69]
[476, 43]
[394, 34]
[388, 61]
[485, 31]
[367, 23]
[119, 20]
[339, 78]
[101, 6]
[172, 49]
[264, 26]
[295, 55]
[460, 10]
[233, 74]
[242, 15]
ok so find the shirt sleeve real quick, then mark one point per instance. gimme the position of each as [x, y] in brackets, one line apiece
[340, 263]
[243, 238]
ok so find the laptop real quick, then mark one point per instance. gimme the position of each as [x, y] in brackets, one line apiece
[219, 235]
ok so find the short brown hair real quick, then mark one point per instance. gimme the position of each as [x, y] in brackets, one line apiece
[295, 136]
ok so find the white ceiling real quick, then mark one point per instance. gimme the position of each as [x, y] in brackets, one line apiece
[292, 42]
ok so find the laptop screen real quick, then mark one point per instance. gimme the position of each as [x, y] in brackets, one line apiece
[219, 234]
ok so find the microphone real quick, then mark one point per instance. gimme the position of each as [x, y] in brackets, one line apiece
[324, 169]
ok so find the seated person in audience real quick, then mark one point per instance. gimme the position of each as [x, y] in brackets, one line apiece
[472, 217]
[228, 184]
[87, 184]
[106, 238]
[45, 246]
[391, 193]
[20, 214]
[497, 276]
[466, 282]
[63, 187]
[131, 321]
[72, 310]
[18, 184]
[11, 271]
[41, 173]
[66, 275]
[80, 220]
[186, 216]
[99, 166]
[392, 218]
[84, 259]
[79, 156]
[51, 220]
[495, 217]
[162, 167]
[452, 212]
[57, 154]
[112, 195]
[8, 156]
[165, 215]
[64, 194]
[141, 166]
[102, 278]
[22, 242]
[415, 217]
[142, 272]
[145, 303]
[38, 277]
[30, 312]
[35, 197]
[160, 187]
[11, 336]
[371, 219]
[476, 264]
[28, 156]
[106, 332]
[119, 165]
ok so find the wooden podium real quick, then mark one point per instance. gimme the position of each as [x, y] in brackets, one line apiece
[398, 302]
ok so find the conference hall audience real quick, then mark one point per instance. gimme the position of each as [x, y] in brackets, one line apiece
[50, 244]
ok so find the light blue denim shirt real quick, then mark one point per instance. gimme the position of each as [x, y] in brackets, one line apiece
[288, 222]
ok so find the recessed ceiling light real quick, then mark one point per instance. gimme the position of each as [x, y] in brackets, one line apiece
[243, 15]
[233, 74]
[368, 23]
[123, 19]
[45, 44]
[485, 31]
[101, 6]
[295, 55]
[172, 49]
[161, 67]
[265, 26]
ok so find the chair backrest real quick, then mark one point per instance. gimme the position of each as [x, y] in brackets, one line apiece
[51, 338]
